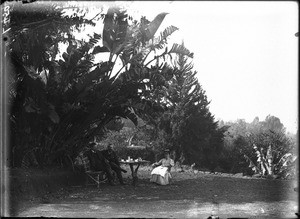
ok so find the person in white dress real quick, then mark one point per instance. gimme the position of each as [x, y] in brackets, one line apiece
[161, 172]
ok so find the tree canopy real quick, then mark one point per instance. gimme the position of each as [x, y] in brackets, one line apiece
[62, 100]
[186, 125]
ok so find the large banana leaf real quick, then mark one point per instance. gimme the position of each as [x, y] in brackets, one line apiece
[154, 25]
[115, 29]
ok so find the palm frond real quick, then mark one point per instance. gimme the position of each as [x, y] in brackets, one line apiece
[180, 49]
[94, 40]
[162, 40]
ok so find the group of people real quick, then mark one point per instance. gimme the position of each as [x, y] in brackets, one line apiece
[108, 161]
[105, 160]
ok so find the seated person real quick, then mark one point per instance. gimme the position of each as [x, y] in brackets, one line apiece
[99, 162]
[161, 173]
[110, 155]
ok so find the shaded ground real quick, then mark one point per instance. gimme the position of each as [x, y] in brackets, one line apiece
[190, 195]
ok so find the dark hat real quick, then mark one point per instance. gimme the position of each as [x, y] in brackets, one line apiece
[92, 143]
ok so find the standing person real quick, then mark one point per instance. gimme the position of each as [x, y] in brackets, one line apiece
[114, 163]
[161, 172]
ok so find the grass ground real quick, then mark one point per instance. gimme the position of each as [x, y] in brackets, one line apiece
[189, 196]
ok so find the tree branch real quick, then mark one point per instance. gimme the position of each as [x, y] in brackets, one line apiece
[146, 56]
[156, 57]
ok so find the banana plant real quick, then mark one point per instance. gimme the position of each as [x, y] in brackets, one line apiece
[265, 165]
[134, 43]
[77, 96]
[109, 95]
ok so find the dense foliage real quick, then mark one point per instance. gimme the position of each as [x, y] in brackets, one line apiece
[259, 147]
[184, 125]
[59, 102]
[132, 140]
[187, 126]
[38, 82]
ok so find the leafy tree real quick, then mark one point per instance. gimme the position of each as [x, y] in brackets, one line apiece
[61, 103]
[187, 126]
[34, 32]
[273, 123]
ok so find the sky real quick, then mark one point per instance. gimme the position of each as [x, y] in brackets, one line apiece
[245, 53]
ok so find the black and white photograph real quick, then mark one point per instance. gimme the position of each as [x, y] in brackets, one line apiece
[149, 109]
